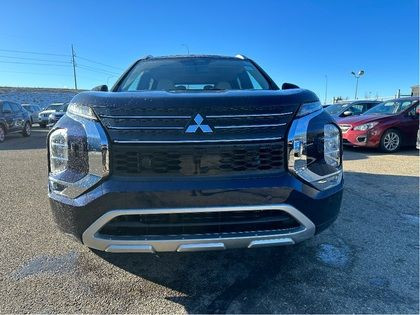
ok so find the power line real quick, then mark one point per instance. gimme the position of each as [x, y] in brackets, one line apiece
[35, 59]
[35, 73]
[33, 52]
[96, 69]
[99, 63]
[35, 63]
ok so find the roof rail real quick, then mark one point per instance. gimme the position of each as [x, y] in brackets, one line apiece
[146, 57]
[239, 56]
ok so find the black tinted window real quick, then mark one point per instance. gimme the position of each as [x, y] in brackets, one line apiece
[15, 107]
[6, 107]
[197, 73]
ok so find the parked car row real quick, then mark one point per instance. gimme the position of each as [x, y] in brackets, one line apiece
[388, 125]
[16, 118]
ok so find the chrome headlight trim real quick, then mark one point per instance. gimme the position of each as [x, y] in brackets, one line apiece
[98, 160]
[298, 160]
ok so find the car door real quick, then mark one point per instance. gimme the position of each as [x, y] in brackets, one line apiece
[409, 124]
[8, 116]
[19, 115]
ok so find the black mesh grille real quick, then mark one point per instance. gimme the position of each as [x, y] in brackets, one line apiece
[183, 224]
[197, 159]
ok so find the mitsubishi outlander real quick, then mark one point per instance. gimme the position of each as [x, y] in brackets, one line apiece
[191, 153]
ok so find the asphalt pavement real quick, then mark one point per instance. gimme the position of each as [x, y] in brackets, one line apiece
[366, 262]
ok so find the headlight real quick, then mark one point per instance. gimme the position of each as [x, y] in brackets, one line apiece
[332, 145]
[307, 108]
[78, 155]
[314, 147]
[366, 126]
[59, 152]
[82, 111]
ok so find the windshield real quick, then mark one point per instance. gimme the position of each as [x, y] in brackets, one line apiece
[55, 107]
[194, 74]
[335, 109]
[389, 108]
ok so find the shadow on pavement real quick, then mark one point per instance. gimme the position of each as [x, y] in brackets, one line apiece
[201, 275]
[15, 141]
[357, 153]
[313, 276]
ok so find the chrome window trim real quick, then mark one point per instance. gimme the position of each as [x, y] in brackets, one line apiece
[92, 239]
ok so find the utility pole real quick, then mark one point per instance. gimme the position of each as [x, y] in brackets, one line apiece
[74, 67]
[186, 46]
[326, 89]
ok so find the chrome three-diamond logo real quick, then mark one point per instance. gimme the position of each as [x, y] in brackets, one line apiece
[198, 119]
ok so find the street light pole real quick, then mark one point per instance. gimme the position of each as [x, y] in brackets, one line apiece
[357, 76]
[326, 89]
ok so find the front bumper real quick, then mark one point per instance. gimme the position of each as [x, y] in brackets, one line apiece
[43, 120]
[362, 138]
[84, 216]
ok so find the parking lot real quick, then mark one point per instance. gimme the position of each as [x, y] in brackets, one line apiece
[366, 262]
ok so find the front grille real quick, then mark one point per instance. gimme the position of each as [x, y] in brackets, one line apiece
[153, 226]
[197, 121]
[189, 160]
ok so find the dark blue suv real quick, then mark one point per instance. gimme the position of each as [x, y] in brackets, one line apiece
[191, 153]
[13, 118]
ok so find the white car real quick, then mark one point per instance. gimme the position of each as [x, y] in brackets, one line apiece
[33, 111]
[45, 114]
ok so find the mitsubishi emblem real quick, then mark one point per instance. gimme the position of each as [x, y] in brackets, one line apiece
[198, 119]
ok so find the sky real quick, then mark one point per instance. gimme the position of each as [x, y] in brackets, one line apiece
[302, 42]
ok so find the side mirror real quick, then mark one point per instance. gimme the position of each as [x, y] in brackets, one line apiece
[101, 88]
[347, 113]
[288, 86]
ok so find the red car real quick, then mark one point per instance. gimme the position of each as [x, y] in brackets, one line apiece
[387, 126]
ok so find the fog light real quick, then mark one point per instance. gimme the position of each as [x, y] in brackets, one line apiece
[59, 151]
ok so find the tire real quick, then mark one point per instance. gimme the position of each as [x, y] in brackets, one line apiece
[391, 141]
[2, 133]
[42, 125]
[26, 132]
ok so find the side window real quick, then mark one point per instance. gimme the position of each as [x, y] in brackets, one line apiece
[414, 111]
[405, 105]
[6, 107]
[356, 109]
[254, 82]
[15, 107]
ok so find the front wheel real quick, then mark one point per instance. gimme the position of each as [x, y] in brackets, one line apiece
[26, 132]
[2, 133]
[391, 141]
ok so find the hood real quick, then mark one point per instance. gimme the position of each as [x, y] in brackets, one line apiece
[361, 119]
[50, 111]
[150, 116]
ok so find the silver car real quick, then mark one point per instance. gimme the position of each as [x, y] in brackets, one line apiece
[45, 114]
[33, 111]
